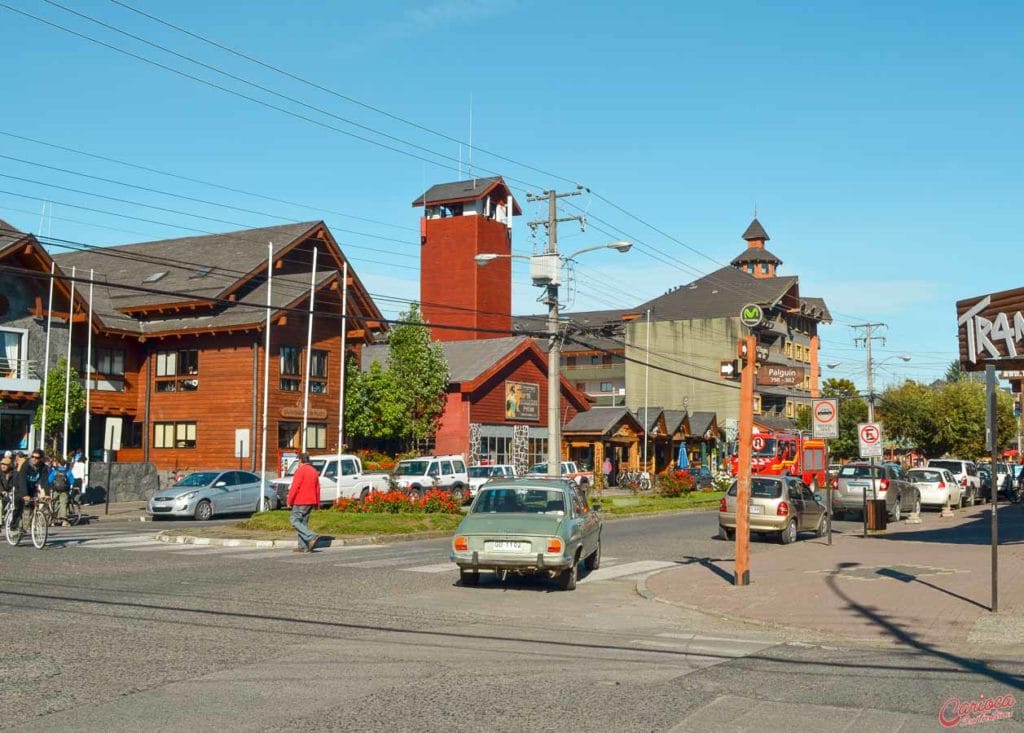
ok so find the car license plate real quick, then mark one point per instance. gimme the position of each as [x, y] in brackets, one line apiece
[508, 546]
[755, 509]
[857, 485]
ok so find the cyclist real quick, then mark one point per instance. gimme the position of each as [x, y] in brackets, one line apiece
[6, 479]
[29, 481]
[61, 480]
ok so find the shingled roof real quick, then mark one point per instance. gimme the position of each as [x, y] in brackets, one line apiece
[467, 360]
[816, 308]
[755, 231]
[600, 421]
[755, 255]
[469, 190]
[9, 234]
[700, 422]
[721, 294]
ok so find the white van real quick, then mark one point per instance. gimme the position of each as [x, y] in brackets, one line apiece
[352, 484]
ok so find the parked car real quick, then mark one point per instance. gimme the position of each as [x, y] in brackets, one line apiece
[859, 480]
[415, 476]
[966, 473]
[569, 469]
[352, 484]
[528, 526]
[938, 487]
[780, 505]
[202, 494]
[479, 475]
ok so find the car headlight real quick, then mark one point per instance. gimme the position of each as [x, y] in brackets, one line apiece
[187, 497]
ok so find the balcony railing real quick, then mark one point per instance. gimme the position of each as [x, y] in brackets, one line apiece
[19, 375]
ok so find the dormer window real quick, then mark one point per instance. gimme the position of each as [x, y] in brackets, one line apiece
[200, 272]
[155, 277]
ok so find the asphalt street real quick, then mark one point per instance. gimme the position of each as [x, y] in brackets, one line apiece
[107, 629]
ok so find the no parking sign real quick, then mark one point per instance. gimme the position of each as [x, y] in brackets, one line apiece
[869, 435]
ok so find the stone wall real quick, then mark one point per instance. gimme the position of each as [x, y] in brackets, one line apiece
[127, 482]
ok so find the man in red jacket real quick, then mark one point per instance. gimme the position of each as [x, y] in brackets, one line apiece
[303, 498]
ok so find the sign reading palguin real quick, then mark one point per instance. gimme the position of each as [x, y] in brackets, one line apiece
[778, 375]
[522, 401]
[991, 327]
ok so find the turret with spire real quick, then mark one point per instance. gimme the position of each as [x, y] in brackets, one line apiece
[756, 260]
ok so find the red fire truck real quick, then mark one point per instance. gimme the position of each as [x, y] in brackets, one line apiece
[793, 453]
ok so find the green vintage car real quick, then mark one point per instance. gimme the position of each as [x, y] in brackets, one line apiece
[528, 526]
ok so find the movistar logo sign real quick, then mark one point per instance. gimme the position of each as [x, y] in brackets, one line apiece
[752, 315]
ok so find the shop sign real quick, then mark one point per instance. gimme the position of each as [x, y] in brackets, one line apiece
[778, 375]
[991, 327]
[522, 401]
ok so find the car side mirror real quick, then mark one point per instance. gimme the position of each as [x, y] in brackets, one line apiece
[817, 498]
[220, 484]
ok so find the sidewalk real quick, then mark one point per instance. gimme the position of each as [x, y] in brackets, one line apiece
[120, 511]
[925, 586]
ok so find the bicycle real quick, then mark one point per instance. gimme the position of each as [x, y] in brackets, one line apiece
[35, 519]
[635, 480]
[74, 508]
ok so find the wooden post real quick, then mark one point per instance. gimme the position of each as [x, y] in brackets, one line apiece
[747, 350]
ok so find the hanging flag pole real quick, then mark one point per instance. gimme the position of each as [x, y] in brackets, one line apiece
[266, 380]
[67, 370]
[344, 345]
[309, 353]
[46, 359]
[88, 387]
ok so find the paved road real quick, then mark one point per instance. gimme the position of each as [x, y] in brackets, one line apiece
[143, 636]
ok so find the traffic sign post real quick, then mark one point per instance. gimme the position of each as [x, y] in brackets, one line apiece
[869, 436]
[825, 419]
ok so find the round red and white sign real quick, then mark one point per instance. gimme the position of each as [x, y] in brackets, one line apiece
[757, 443]
[869, 434]
[824, 412]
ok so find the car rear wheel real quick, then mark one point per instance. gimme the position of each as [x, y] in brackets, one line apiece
[593, 560]
[917, 505]
[415, 492]
[364, 494]
[724, 533]
[788, 535]
[204, 510]
[567, 578]
[822, 529]
[469, 578]
[459, 494]
[897, 510]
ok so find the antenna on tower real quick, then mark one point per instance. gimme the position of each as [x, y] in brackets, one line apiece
[471, 139]
[460, 161]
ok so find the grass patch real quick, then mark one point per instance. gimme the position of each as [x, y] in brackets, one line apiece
[344, 523]
[647, 504]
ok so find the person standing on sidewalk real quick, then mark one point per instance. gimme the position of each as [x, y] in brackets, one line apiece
[606, 469]
[303, 498]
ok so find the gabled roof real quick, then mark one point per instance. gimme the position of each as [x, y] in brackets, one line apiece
[674, 420]
[601, 421]
[755, 231]
[817, 309]
[470, 190]
[653, 417]
[9, 234]
[755, 255]
[774, 422]
[722, 294]
[700, 422]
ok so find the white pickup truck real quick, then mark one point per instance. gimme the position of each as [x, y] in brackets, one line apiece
[352, 484]
[569, 469]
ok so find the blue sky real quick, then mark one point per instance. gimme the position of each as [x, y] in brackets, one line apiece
[878, 141]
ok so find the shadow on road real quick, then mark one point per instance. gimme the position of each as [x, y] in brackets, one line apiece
[976, 531]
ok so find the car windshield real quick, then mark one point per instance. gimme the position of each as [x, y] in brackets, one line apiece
[411, 468]
[923, 475]
[202, 478]
[850, 471]
[318, 465]
[767, 451]
[762, 488]
[519, 500]
[539, 468]
[953, 466]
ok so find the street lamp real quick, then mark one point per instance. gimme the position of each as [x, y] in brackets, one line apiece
[546, 271]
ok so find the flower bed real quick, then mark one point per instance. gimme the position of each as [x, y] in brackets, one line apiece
[434, 501]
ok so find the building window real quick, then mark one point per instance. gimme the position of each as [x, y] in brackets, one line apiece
[595, 360]
[789, 349]
[581, 386]
[764, 268]
[790, 409]
[290, 369]
[174, 435]
[606, 387]
[757, 404]
[176, 371]
[11, 364]
[316, 436]
[288, 435]
[570, 361]
[318, 372]
[131, 434]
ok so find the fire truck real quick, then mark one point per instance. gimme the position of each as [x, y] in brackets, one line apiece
[778, 453]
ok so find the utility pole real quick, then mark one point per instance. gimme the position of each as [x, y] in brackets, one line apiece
[867, 338]
[551, 298]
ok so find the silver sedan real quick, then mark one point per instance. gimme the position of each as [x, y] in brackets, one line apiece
[203, 494]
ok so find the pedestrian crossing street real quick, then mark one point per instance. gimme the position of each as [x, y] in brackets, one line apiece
[397, 557]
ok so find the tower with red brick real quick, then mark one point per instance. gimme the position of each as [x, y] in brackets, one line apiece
[460, 221]
[756, 260]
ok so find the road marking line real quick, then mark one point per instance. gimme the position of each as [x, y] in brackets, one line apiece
[445, 567]
[629, 568]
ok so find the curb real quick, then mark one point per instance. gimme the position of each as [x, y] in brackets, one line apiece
[276, 544]
[662, 513]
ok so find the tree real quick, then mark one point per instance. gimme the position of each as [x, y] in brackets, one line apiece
[909, 412]
[852, 410]
[803, 417]
[56, 385]
[372, 408]
[955, 372]
[419, 375]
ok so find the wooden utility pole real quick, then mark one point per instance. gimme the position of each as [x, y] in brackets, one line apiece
[746, 349]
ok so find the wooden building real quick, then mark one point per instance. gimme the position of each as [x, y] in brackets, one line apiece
[178, 341]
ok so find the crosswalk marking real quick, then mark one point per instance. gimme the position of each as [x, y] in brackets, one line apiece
[629, 568]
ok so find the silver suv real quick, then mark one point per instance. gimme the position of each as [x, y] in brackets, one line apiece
[860, 480]
[966, 474]
[415, 476]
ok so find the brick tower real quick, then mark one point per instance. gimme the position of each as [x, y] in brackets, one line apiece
[756, 260]
[461, 220]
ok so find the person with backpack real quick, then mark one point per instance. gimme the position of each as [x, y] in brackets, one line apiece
[61, 480]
